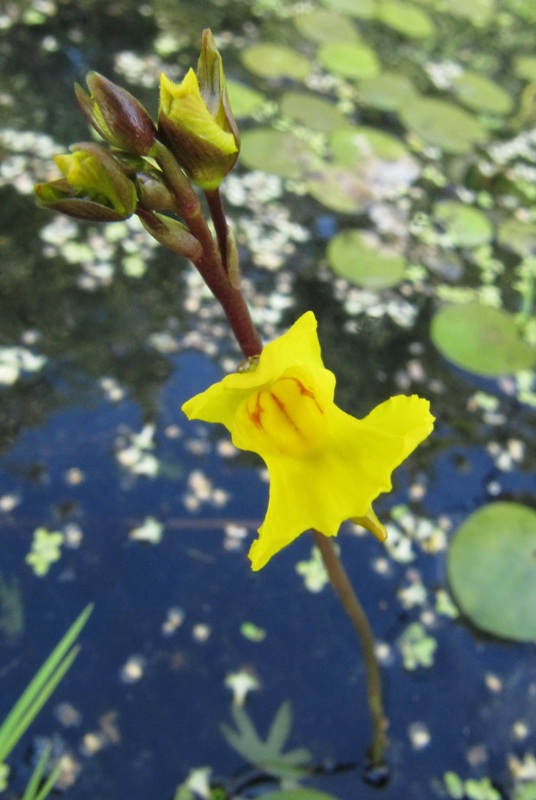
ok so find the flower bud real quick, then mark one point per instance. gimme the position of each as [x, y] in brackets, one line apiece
[196, 122]
[172, 234]
[116, 115]
[94, 187]
[153, 194]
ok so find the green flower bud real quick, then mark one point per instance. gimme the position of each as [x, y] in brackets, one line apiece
[153, 194]
[172, 234]
[94, 186]
[116, 115]
[195, 120]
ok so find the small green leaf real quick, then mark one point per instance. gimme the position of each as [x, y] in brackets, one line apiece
[349, 59]
[269, 60]
[481, 339]
[361, 260]
[492, 570]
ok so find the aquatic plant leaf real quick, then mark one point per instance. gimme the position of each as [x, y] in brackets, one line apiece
[278, 152]
[339, 189]
[387, 91]
[244, 100]
[479, 12]
[518, 235]
[481, 339]
[356, 257]
[406, 19]
[301, 794]
[312, 111]
[321, 25]
[41, 686]
[349, 59]
[482, 94]
[525, 68]
[442, 124]
[267, 755]
[492, 570]
[269, 60]
[352, 145]
[466, 226]
[363, 9]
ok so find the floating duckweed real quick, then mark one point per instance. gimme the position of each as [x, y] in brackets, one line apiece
[492, 570]
[386, 91]
[270, 60]
[442, 124]
[322, 25]
[358, 258]
[481, 94]
[406, 19]
[481, 339]
[312, 111]
[349, 59]
[466, 226]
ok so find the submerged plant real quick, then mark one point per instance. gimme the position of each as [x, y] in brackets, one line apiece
[325, 466]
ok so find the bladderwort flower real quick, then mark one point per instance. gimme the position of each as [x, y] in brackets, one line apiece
[196, 121]
[325, 466]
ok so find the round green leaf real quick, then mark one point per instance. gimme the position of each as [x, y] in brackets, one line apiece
[387, 91]
[482, 94]
[312, 111]
[279, 152]
[525, 68]
[244, 100]
[349, 59]
[492, 570]
[466, 226]
[352, 145]
[275, 61]
[442, 124]
[301, 794]
[481, 339]
[405, 19]
[322, 25]
[517, 235]
[363, 9]
[339, 188]
[479, 12]
[354, 256]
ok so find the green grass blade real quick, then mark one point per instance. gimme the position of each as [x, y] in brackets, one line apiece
[41, 686]
[37, 774]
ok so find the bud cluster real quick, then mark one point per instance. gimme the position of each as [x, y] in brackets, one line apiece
[195, 128]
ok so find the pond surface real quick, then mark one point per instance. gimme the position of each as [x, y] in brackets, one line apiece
[395, 135]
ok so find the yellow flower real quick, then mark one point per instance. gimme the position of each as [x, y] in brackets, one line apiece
[325, 466]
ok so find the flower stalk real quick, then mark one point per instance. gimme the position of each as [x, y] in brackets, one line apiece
[350, 602]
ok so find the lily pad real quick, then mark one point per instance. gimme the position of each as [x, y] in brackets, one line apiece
[244, 100]
[269, 60]
[525, 68]
[442, 124]
[406, 19]
[353, 144]
[322, 25]
[492, 570]
[466, 226]
[363, 9]
[279, 152]
[482, 94]
[481, 339]
[312, 111]
[387, 91]
[301, 794]
[362, 260]
[349, 59]
[339, 189]
[518, 236]
[479, 12]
